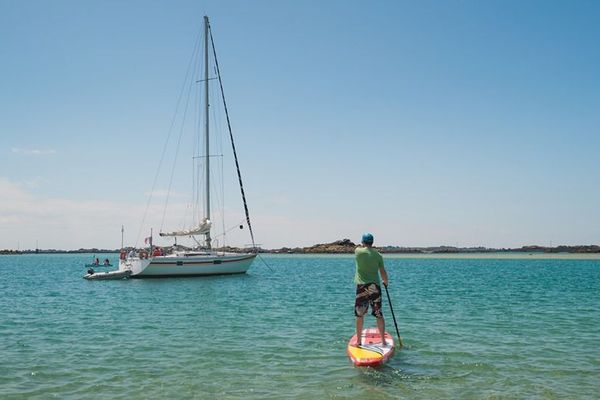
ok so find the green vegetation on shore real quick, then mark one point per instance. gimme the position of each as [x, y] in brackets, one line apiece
[347, 246]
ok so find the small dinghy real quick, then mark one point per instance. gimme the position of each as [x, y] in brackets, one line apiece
[109, 275]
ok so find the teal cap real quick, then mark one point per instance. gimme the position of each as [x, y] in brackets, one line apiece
[367, 238]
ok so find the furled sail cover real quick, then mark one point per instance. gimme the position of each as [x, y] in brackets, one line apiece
[201, 229]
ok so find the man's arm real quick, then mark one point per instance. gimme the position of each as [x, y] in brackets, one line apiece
[384, 276]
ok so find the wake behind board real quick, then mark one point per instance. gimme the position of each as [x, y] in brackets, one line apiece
[371, 353]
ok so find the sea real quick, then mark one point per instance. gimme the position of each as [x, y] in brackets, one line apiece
[489, 327]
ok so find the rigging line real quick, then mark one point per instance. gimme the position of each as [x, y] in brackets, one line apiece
[217, 172]
[223, 198]
[230, 229]
[187, 103]
[195, 151]
[237, 164]
[214, 185]
[162, 156]
[195, 201]
[183, 118]
[263, 260]
[218, 139]
[184, 217]
[198, 167]
[181, 130]
[198, 197]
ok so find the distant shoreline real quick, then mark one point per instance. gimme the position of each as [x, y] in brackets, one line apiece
[346, 246]
[387, 256]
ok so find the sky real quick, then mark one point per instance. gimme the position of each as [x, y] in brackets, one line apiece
[463, 123]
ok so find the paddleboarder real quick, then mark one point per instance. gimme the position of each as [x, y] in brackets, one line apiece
[369, 267]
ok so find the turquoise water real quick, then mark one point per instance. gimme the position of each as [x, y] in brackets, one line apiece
[476, 328]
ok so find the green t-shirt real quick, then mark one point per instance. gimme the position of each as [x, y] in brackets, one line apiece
[368, 262]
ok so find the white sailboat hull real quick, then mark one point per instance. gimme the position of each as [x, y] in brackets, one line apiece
[188, 265]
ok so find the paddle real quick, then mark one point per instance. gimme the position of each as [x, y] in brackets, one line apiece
[393, 316]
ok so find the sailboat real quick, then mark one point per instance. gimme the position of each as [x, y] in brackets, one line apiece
[202, 260]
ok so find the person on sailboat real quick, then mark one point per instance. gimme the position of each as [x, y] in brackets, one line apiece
[369, 267]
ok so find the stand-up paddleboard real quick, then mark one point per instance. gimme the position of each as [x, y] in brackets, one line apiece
[371, 352]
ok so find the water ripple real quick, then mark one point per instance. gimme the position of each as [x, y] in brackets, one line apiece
[473, 329]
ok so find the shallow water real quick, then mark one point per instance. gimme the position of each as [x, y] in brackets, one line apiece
[473, 328]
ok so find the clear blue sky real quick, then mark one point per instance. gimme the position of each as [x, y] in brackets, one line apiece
[427, 123]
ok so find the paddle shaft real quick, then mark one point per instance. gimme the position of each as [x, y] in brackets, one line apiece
[393, 316]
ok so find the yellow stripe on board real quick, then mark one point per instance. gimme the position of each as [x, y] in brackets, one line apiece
[361, 354]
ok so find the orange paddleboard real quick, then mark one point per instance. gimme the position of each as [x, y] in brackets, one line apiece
[371, 352]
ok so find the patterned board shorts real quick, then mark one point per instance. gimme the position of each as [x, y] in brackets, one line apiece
[368, 294]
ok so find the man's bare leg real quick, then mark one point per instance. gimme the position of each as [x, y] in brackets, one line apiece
[359, 327]
[381, 327]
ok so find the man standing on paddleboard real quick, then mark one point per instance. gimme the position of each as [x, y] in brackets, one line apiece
[369, 265]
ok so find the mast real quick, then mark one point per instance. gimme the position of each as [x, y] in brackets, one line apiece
[206, 139]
